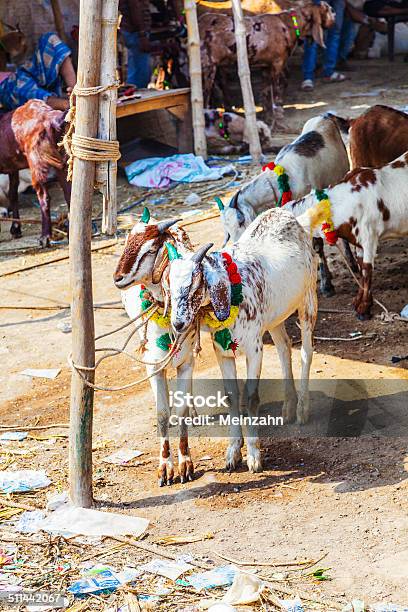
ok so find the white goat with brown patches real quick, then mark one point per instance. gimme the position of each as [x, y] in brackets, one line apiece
[143, 261]
[367, 206]
[277, 265]
[315, 159]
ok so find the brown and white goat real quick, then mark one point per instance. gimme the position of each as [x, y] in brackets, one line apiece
[271, 40]
[29, 140]
[369, 205]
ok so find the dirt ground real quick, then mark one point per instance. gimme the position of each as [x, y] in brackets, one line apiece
[344, 498]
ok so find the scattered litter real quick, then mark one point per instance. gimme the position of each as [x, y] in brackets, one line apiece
[55, 500]
[357, 605]
[158, 172]
[50, 373]
[170, 540]
[23, 480]
[122, 456]
[205, 458]
[167, 568]
[220, 576]
[8, 513]
[64, 326]
[30, 522]
[245, 589]
[221, 607]
[192, 199]
[102, 578]
[355, 334]
[17, 436]
[404, 312]
[292, 605]
[68, 520]
[380, 607]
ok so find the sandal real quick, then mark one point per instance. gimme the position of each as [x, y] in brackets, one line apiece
[335, 77]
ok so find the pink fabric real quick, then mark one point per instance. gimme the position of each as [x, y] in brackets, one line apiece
[4, 76]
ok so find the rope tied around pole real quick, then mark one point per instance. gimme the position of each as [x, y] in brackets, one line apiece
[85, 147]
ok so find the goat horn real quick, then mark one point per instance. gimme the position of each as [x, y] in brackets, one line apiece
[163, 225]
[234, 200]
[145, 218]
[219, 203]
[172, 251]
[199, 256]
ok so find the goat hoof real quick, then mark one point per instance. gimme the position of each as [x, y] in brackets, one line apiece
[165, 474]
[327, 291]
[302, 414]
[363, 316]
[186, 470]
[233, 459]
[15, 231]
[45, 242]
[254, 462]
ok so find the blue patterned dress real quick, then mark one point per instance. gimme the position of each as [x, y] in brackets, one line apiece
[39, 77]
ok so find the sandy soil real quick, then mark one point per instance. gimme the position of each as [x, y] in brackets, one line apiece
[343, 498]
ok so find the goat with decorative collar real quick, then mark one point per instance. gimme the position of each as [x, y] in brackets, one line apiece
[315, 159]
[276, 264]
[142, 264]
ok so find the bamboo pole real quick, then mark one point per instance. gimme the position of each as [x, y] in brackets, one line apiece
[58, 20]
[194, 57]
[107, 171]
[245, 79]
[83, 333]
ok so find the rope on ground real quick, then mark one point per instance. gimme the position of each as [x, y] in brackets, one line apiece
[85, 147]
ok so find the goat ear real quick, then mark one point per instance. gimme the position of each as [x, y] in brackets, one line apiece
[160, 264]
[218, 285]
[317, 29]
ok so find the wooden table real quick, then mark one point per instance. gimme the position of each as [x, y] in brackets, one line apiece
[175, 101]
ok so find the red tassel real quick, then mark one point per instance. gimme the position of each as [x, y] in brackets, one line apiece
[233, 346]
[227, 258]
[142, 287]
[270, 166]
[232, 268]
[330, 235]
[286, 197]
[235, 279]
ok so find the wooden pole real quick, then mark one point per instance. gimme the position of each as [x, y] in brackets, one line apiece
[245, 79]
[194, 57]
[58, 20]
[107, 171]
[83, 333]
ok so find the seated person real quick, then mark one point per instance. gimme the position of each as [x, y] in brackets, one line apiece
[41, 77]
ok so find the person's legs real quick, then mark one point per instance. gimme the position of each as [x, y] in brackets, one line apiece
[139, 70]
[348, 36]
[333, 38]
[309, 60]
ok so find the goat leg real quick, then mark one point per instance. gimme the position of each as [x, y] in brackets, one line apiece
[326, 286]
[13, 212]
[350, 257]
[44, 200]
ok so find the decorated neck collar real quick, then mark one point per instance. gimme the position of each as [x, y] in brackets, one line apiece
[223, 336]
[295, 22]
[221, 124]
[328, 228]
[147, 300]
[283, 182]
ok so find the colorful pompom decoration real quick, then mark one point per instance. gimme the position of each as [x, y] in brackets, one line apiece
[283, 182]
[164, 341]
[328, 228]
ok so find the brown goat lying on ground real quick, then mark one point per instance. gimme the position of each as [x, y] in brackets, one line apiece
[29, 140]
[226, 133]
[271, 40]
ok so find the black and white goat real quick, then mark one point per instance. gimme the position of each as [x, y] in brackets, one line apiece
[316, 159]
[277, 266]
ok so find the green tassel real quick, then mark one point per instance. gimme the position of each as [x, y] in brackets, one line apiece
[145, 304]
[283, 182]
[163, 342]
[223, 338]
[172, 251]
[219, 203]
[236, 294]
[145, 218]
[320, 194]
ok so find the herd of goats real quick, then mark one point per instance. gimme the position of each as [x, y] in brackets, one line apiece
[276, 224]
